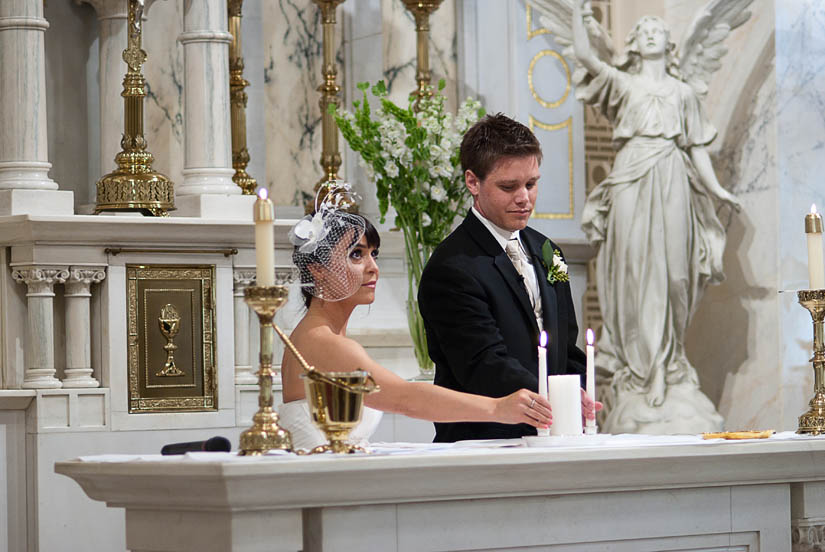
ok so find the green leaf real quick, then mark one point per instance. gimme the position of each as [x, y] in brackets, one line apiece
[441, 84]
[379, 89]
[331, 108]
[547, 254]
[362, 86]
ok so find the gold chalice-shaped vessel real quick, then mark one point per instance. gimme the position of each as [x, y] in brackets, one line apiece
[336, 401]
[169, 323]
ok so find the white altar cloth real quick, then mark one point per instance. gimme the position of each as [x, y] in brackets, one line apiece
[626, 493]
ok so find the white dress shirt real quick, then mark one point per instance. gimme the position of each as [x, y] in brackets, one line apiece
[502, 236]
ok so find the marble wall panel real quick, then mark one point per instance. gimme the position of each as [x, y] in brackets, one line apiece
[163, 105]
[800, 107]
[70, 49]
[293, 54]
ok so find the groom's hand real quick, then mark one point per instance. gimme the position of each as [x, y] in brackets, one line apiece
[589, 408]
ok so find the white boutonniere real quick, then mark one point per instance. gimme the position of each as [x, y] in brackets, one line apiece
[554, 264]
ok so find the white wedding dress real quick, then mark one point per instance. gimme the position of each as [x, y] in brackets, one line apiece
[294, 417]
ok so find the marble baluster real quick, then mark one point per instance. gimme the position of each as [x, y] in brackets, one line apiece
[24, 156]
[244, 374]
[77, 294]
[207, 132]
[39, 355]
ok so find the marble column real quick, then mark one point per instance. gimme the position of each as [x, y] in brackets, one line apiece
[25, 186]
[39, 356]
[112, 16]
[77, 294]
[207, 173]
[244, 374]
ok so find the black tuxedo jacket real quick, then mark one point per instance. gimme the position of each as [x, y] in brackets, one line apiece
[481, 330]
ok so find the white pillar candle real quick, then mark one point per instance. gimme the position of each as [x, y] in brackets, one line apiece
[543, 374]
[566, 401]
[590, 426]
[816, 266]
[264, 216]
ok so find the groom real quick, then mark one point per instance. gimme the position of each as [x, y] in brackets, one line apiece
[484, 294]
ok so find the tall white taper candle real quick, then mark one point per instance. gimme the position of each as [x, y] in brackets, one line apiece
[543, 374]
[264, 217]
[590, 426]
[816, 266]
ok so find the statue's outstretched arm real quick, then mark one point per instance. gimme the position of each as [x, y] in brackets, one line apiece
[707, 176]
[581, 40]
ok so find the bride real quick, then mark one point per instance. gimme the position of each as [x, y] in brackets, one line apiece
[336, 256]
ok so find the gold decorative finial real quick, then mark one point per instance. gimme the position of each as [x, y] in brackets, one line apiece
[134, 186]
[421, 10]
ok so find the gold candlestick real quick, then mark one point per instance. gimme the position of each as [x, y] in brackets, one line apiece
[329, 89]
[238, 99]
[421, 10]
[265, 433]
[813, 421]
[134, 186]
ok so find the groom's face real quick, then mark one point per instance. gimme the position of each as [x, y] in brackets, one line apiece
[507, 195]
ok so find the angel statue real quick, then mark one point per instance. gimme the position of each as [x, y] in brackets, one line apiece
[653, 219]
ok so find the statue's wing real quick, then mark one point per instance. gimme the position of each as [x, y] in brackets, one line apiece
[557, 17]
[703, 46]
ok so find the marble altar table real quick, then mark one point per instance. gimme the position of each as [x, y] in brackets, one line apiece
[624, 493]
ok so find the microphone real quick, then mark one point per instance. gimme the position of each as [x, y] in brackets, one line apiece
[215, 444]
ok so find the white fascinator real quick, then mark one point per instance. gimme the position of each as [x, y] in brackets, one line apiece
[323, 242]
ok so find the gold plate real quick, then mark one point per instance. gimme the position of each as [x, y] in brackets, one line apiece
[738, 435]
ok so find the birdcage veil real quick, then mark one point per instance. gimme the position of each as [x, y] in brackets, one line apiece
[323, 242]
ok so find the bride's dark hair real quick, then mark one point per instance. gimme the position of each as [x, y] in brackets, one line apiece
[323, 254]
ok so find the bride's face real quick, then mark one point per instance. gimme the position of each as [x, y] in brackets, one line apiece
[651, 38]
[363, 261]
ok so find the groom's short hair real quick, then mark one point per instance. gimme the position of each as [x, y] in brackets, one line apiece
[492, 138]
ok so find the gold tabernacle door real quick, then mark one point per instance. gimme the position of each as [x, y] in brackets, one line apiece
[170, 325]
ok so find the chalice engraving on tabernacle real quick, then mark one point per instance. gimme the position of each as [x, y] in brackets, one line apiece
[169, 322]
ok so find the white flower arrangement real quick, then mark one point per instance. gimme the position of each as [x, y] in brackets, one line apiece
[412, 156]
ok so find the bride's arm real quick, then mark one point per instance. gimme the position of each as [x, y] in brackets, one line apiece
[439, 404]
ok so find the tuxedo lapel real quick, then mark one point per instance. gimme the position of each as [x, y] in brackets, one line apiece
[502, 263]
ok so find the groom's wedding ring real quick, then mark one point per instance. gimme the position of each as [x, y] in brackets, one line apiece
[532, 403]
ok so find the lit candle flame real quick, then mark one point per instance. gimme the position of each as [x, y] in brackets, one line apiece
[543, 339]
[813, 208]
[262, 194]
[590, 336]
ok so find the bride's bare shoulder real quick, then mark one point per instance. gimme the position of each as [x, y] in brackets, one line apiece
[323, 347]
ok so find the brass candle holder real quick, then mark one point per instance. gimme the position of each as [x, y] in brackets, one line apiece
[813, 421]
[329, 89]
[421, 10]
[265, 433]
[134, 185]
[238, 99]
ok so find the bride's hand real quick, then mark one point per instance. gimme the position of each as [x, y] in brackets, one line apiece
[524, 407]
